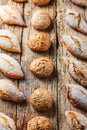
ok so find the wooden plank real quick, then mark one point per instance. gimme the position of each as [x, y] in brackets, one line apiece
[64, 77]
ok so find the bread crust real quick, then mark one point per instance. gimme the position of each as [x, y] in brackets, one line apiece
[80, 2]
[77, 96]
[41, 20]
[76, 21]
[20, 0]
[41, 99]
[39, 42]
[75, 46]
[41, 2]
[42, 67]
[40, 122]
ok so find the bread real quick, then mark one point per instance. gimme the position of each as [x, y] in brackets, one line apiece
[20, 0]
[39, 42]
[76, 21]
[41, 99]
[77, 96]
[41, 20]
[76, 121]
[6, 123]
[75, 46]
[10, 67]
[77, 70]
[40, 123]
[42, 67]
[9, 41]
[10, 92]
[11, 15]
[41, 2]
[80, 2]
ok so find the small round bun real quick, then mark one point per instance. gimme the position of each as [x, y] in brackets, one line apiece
[40, 123]
[41, 99]
[42, 67]
[39, 42]
[41, 20]
[41, 2]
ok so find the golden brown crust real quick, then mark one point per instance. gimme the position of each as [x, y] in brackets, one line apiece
[39, 42]
[20, 0]
[42, 67]
[41, 2]
[41, 99]
[40, 123]
[41, 20]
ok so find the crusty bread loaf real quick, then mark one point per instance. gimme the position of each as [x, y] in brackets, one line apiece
[10, 92]
[41, 20]
[42, 67]
[76, 121]
[11, 15]
[41, 99]
[40, 123]
[41, 2]
[39, 42]
[80, 2]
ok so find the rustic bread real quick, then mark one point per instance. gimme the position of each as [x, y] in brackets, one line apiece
[77, 96]
[19, 0]
[11, 15]
[77, 70]
[41, 20]
[41, 2]
[76, 121]
[40, 123]
[10, 92]
[75, 46]
[42, 67]
[75, 20]
[10, 67]
[39, 42]
[80, 2]
[9, 41]
[6, 123]
[41, 99]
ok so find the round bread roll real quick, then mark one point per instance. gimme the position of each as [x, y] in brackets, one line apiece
[41, 99]
[39, 42]
[41, 2]
[40, 123]
[42, 67]
[41, 20]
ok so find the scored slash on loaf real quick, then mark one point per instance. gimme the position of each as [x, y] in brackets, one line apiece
[80, 2]
[76, 121]
[10, 67]
[9, 41]
[76, 21]
[75, 46]
[11, 15]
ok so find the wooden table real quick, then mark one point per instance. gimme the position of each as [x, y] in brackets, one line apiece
[22, 113]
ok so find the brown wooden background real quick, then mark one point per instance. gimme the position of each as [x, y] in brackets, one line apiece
[55, 84]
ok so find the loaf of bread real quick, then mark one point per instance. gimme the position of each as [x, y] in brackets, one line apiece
[6, 123]
[77, 70]
[76, 21]
[41, 99]
[9, 41]
[40, 123]
[41, 20]
[80, 2]
[10, 92]
[10, 67]
[41, 2]
[39, 42]
[11, 15]
[75, 46]
[42, 67]
[76, 121]
[77, 96]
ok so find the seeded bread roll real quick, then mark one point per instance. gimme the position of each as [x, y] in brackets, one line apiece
[39, 42]
[41, 2]
[40, 123]
[41, 20]
[41, 99]
[42, 67]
